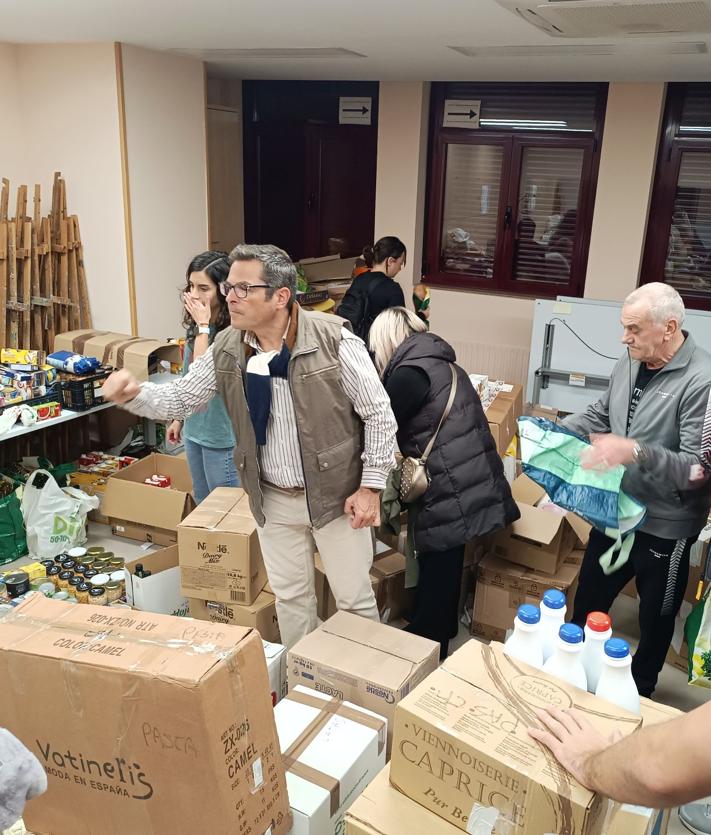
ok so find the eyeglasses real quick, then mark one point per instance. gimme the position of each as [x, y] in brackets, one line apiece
[241, 288]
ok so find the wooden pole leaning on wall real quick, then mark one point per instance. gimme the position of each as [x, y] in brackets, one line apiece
[43, 287]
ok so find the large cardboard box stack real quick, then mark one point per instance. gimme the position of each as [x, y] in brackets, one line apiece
[544, 536]
[160, 592]
[503, 586]
[144, 723]
[382, 810]
[461, 747]
[331, 749]
[138, 355]
[364, 662]
[140, 511]
[220, 557]
[260, 614]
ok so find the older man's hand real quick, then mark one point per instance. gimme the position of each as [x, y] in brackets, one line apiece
[364, 508]
[608, 451]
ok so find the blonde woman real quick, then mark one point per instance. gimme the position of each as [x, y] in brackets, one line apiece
[468, 495]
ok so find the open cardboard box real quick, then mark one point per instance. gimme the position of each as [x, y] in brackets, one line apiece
[143, 512]
[161, 591]
[138, 355]
[220, 557]
[541, 539]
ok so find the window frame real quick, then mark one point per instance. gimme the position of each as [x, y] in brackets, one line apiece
[666, 180]
[514, 143]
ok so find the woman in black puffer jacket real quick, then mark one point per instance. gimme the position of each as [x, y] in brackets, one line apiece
[468, 495]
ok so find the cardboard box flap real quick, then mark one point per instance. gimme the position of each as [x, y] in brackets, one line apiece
[219, 511]
[143, 504]
[388, 565]
[536, 526]
[503, 573]
[141, 642]
[580, 526]
[369, 634]
[526, 491]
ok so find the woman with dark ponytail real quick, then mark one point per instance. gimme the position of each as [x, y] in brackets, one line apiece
[208, 436]
[376, 290]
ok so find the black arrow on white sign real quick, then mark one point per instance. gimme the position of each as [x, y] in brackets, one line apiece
[362, 110]
[471, 114]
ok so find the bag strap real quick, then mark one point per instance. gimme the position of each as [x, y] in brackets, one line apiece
[447, 409]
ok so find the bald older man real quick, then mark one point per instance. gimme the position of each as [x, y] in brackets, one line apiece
[655, 418]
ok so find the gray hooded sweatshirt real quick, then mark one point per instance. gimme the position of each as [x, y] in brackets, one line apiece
[672, 424]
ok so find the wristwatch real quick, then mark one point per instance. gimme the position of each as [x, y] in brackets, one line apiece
[639, 453]
[204, 329]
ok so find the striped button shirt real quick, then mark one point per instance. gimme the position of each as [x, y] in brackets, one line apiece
[280, 458]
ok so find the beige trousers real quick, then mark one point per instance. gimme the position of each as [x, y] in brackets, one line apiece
[288, 543]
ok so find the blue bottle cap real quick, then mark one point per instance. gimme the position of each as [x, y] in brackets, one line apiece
[554, 599]
[617, 648]
[571, 633]
[528, 613]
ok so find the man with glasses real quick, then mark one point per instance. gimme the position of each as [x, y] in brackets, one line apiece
[315, 432]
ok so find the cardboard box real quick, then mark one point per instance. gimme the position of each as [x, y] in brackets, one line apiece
[161, 591]
[149, 514]
[138, 355]
[382, 810]
[332, 750]
[394, 600]
[540, 539]
[502, 587]
[325, 601]
[515, 396]
[275, 655]
[462, 750]
[502, 422]
[220, 557]
[548, 412]
[144, 723]
[260, 614]
[364, 662]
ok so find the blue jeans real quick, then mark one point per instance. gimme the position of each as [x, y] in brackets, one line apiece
[210, 468]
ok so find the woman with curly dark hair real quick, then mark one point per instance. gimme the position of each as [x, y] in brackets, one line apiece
[208, 436]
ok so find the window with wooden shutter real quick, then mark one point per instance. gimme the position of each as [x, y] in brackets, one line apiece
[510, 202]
[678, 245]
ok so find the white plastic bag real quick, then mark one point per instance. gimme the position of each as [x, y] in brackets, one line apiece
[55, 517]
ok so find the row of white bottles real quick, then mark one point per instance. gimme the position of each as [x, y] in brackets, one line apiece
[591, 660]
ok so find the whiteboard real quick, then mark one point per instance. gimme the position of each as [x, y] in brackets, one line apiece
[598, 324]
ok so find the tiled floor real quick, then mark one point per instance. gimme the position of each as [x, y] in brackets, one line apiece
[672, 689]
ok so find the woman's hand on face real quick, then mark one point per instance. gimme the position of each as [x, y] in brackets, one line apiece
[199, 311]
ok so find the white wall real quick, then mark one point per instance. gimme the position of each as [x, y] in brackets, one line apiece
[69, 123]
[167, 166]
[11, 117]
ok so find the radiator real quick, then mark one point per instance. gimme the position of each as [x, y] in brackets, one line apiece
[499, 362]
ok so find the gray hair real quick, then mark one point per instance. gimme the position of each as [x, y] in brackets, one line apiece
[278, 269]
[663, 301]
[389, 330]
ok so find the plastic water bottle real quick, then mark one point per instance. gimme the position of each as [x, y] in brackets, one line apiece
[598, 629]
[616, 684]
[565, 662]
[524, 644]
[553, 611]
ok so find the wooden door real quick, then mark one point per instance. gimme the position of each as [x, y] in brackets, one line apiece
[340, 183]
[225, 178]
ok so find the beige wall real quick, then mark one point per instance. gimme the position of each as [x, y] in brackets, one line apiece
[11, 119]
[624, 184]
[492, 333]
[401, 171]
[167, 165]
[68, 121]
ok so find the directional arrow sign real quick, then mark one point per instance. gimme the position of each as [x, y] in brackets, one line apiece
[461, 113]
[354, 111]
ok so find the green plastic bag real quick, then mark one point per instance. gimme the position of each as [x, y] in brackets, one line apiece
[13, 542]
[697, 631]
